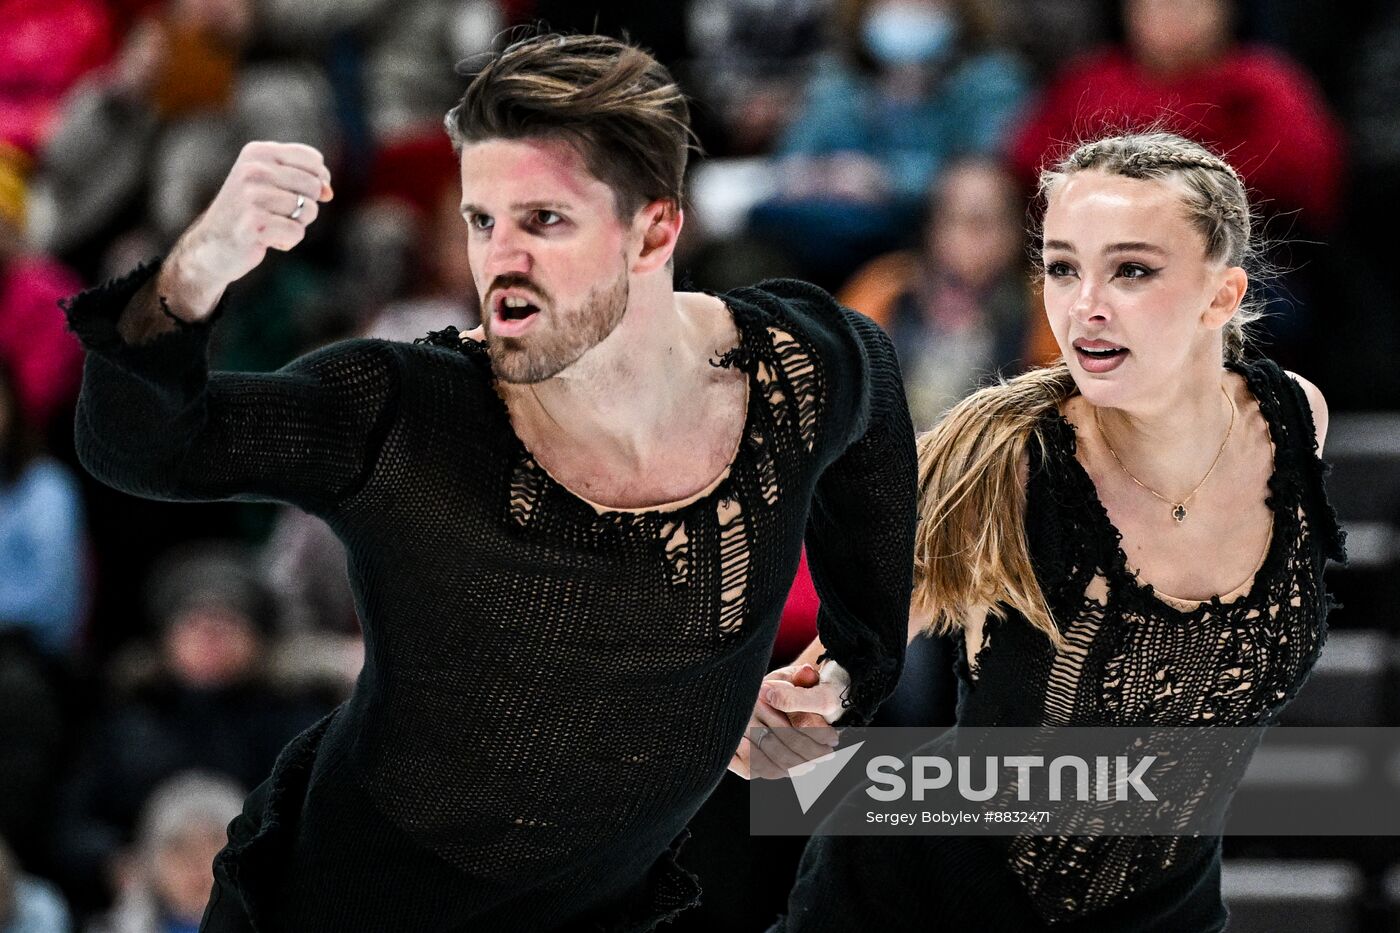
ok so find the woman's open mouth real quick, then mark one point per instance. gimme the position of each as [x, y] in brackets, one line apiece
[1099, 356]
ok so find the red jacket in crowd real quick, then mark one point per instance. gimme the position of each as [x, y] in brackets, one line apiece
[1254, 106]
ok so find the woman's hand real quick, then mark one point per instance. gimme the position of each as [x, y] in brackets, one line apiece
[791, 722]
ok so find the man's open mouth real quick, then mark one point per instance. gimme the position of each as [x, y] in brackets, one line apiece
[514, 308]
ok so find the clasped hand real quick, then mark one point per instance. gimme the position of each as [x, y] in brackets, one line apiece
[792, 720]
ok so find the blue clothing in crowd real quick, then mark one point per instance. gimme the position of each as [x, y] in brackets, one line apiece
[42, 579]
[970, 111]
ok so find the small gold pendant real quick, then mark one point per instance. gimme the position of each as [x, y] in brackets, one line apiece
[1179, 513]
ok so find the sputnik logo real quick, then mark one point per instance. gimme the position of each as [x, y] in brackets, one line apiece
[811, 778]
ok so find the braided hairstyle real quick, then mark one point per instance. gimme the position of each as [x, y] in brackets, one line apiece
[971, 554]
[1214, 196]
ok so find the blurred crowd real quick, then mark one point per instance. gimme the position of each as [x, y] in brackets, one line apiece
[154, 658]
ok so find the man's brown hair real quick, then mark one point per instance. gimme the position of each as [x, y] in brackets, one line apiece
[613, 101]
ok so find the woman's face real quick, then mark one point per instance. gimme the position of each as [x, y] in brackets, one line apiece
[1132, 298]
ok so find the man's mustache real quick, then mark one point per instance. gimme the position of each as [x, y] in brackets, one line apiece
[502, 282]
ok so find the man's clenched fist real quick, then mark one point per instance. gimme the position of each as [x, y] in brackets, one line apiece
[271, 195]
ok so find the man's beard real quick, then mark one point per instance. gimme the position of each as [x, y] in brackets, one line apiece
[564, 338]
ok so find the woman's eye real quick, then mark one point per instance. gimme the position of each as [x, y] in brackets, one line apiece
[1057, 270]
[1132, 270]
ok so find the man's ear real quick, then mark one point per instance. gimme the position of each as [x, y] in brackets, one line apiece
[1227, 298]
[659, 224]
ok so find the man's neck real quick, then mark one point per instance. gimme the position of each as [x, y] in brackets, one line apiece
[624, 399]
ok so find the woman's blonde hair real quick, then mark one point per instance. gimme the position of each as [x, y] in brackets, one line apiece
[971, 553]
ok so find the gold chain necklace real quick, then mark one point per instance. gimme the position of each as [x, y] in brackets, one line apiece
[1178, 508]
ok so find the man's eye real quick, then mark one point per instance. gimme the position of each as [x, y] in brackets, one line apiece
[547, 218]
[480, 222]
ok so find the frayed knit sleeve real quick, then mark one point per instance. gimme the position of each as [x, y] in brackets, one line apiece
[154, 422]
[860, 534]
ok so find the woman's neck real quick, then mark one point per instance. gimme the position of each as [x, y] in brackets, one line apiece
[1171, 443]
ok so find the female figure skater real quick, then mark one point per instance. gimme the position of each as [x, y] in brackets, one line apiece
[1135, 535]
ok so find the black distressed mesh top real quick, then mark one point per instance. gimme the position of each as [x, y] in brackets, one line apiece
[1137, 658]
[1134, 658]
[549, 692]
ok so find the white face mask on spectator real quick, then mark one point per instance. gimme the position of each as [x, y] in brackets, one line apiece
[901, 33]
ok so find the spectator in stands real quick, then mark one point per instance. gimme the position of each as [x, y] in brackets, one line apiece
[414, 186]
[1182, 68]
[43, 583]
[748, 62]
[45, 47]
[920, 81]
[410, 54]
[960, 308]
[169, 871]
[28, 904]
[204, 700]
[46, 360]
[161, 106]
[322, 647]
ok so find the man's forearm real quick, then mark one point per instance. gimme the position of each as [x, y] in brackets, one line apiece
[190, 292]
[143, 320]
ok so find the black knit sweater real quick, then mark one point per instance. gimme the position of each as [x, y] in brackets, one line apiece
[1133, 658]
[549, 693]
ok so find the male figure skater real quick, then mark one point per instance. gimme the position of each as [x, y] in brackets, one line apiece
[570, 534]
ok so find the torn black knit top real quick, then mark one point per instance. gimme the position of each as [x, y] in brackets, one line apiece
[1133, 658]
[549, 693]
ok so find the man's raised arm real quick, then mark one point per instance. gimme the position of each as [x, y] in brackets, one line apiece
[154, 422]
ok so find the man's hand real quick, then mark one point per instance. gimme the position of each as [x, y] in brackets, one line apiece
[271, 195]
[791, 721]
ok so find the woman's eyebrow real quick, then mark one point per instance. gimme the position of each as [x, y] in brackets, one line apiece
[1136, 246]
[1133, 246]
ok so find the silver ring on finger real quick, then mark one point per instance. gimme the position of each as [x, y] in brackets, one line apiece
[764, 732]
[296, 212]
